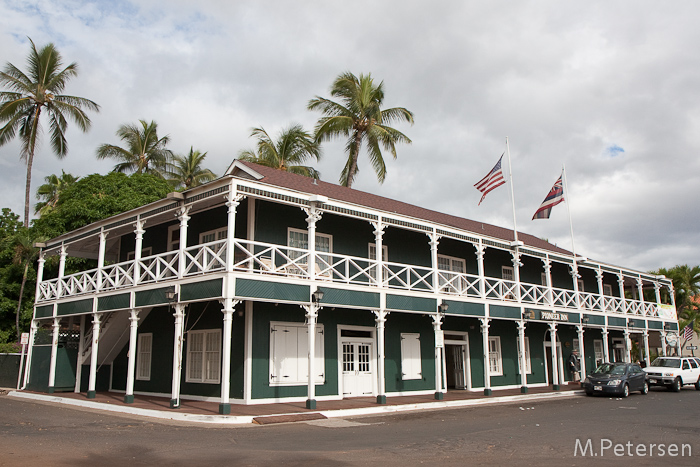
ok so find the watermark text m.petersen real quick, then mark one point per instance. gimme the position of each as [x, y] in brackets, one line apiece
[606, 447]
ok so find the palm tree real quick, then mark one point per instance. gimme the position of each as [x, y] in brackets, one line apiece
[24, 253]
[360, 119]
[33, 93]
[144, 153]
[293, 147]
[49, 192]
[686, 285]
[187, 172]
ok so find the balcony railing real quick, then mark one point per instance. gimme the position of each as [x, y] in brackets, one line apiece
[260, 258]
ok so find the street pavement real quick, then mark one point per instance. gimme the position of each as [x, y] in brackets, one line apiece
[551, 432]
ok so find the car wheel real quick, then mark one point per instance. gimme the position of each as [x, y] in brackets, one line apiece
[625, 390]
[645, 387]
[589, 393]
[676, 387]
[697, 384]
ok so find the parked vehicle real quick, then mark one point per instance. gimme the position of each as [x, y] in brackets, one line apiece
[674, 372]
[616, 379]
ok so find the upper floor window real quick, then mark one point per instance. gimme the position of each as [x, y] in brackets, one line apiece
[449, 263]
[607, 290]
[174, 237]
[543, 278]
[579, 284]
[507, 273]
[130, 256]
[213, 235]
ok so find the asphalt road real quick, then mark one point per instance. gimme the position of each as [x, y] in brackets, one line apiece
[536, 433]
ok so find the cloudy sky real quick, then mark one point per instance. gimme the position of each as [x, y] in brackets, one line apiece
[609, 89]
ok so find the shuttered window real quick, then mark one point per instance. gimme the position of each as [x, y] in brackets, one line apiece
[203, 356]
[144, 347]
[495, 361]
[410, 356]
[289, 350]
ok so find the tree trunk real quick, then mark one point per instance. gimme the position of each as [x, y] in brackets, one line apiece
[30, 161]
[19, 300]
[353, 165]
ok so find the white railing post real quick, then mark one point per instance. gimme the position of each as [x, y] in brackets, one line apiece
[516, 272]
[61, 271]
[621, 285]
[39, 275]
[547, 265]
[313, 217]
[480, 250]
[601, 289]
[576, 276]
[233, 200]
[379, 248]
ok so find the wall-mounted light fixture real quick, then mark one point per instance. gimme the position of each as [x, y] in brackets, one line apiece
[171, 295]
[317, 296]
[585, 319]
[443, 307]
[528, 314]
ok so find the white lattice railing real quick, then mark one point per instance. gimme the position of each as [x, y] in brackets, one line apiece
[264, 258]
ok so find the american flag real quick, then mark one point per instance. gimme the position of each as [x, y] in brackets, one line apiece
[688, 330]
[493, 180]
[555, 196]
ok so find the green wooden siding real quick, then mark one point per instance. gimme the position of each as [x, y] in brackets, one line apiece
[272, 290]
[402, 302]
[615, 321]
[350, 298]
[596, 319]
[45, 311]
[465, 308]
[113, 302]
[151, 297]
[72, 308]
[499, 311]
[655, 324]
[201, 290]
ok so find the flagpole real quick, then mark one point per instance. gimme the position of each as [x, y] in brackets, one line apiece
[512, 196]
[568, 209]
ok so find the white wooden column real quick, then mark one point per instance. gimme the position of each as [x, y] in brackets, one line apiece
[439, 344]
[521, 356]
[138, 232]
[646, 348]
[628, 346]
[640, 291]
[93, 355]
[27, 364]
[81, 351]
[381, 378]
[621, 286]
[54, 352]
[662, 334]
[233, 200]
[379, 248]
[61, 269]
[516, 271]
[184, 218]
[480, 250]
[311, 316]
[313, 217]
[101, 259]
[179, 315]
[601, 288]
[228, 311]
[39, 274]
[485, 345]
[657, 292]
[581, 352]
[573, 270]
[606, 350]
[131, 369]
[555, 357]
[434, 242]
[547, 265]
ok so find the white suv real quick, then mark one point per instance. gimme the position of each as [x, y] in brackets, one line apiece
[674, 372]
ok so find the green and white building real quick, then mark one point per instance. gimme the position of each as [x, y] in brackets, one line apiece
[264, 286]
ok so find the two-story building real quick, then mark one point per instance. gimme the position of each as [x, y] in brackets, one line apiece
[265, 286]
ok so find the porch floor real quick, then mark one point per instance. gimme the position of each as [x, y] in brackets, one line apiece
[162, 404]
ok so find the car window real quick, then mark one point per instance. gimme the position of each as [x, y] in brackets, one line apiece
[693, 363]
[667, 362]
[610, 369]
[636, 369]
[686, 366]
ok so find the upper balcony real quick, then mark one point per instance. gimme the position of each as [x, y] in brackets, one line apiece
[254, 258]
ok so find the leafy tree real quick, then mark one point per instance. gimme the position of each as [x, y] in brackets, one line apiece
[49, 192]
[360, 119]
[186, 171]
[145, 152]
[35, 92]
[97, 197]
[293, 147]
[686, 287]
[10, 280]
[23, 256]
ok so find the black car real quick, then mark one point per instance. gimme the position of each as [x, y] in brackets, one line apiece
[617, 379]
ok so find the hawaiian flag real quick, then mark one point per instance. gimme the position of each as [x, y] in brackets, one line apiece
[555, 196]
[688, 331]
[493, 180]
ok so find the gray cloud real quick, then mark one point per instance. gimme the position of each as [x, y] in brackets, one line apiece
[564, 81]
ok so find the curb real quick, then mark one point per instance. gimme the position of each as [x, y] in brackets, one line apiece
[293, 417]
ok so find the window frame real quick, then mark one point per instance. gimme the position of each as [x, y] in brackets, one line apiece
[171, 242]
[508, 270]
[145, 252]
[219, 234]
[498, 352]
[203, 379]
[140, 356]
[607, 290]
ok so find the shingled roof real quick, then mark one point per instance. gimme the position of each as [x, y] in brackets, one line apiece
[303, 184]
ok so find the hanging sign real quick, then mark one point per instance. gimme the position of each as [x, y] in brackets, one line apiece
[25, 338]
[548, 315]
[439, 339]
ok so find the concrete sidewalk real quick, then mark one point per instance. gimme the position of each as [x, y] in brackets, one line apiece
[207, 412]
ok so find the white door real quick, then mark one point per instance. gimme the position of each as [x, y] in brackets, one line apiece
[357, 368]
